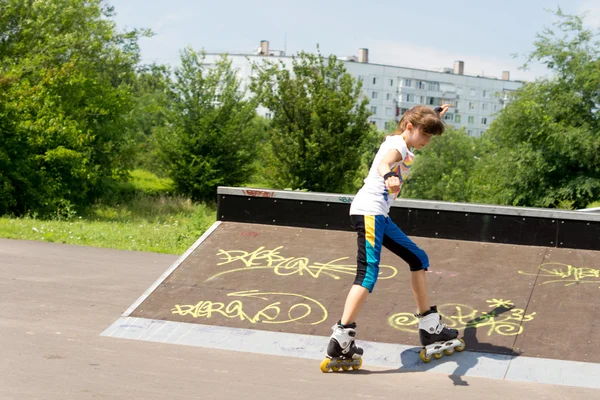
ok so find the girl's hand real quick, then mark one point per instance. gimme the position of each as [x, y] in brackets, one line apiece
[393, 184]
[445, 108]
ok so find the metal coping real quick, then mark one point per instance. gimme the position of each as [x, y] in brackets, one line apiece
[416, 204]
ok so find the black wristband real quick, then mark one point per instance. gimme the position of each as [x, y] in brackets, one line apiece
[438, 109]
[391, 173]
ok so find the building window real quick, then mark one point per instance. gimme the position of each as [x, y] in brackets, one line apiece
[361, 78]
[484, 106]
[408, 82]
[484, 94]
[457, 118]
[410, 98]
[433, 86]
[471, 106]
[391, 82]
[374, 81]
[389, 112]
[268, 116]
[373, 123]
[484, 121]
[374, 109]
[448, 117]
[388, 96]
[473, 93]
[470, 132]
[495, 107]
[421, 85]
[374, 95]
[471, 120]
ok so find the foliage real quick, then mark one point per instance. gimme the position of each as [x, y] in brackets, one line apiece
[319, 128]
[544, 149]
[210, 138]
[64, 94]
[150, 89]
[441, 170]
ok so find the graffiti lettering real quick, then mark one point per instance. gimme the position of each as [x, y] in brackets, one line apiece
[262, 258]
[459, 316]
[567, 274]
[346, 199]
[300, 312]
[258, 193]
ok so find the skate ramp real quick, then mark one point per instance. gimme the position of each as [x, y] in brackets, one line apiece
[271, 276]
[505, 299]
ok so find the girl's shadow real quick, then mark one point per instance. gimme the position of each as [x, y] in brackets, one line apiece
[411, 361]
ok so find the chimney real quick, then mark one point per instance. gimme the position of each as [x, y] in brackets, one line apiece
[264, 47]
[459, 67]
[363, 56]
[506, 75]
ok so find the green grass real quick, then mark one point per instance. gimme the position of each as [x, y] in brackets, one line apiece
[146, 219]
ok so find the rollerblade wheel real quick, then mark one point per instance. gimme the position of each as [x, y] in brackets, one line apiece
[355, 367]
[449, 352]
[437, 356]
[423, 356]
[325, 365]
[461, 347]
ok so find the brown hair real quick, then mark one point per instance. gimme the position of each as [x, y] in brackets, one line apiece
[424, 118]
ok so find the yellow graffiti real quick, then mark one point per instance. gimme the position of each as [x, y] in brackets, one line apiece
[459, 316]
[567, 274]
[270, 314]
[262, 258]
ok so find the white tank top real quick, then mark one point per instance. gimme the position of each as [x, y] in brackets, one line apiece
[373, 198]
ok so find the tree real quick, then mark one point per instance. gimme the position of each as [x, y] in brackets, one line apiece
[319, 129]
[64, 89]
[543, 150]
[209, 139]
[150, 90]
[441, 170]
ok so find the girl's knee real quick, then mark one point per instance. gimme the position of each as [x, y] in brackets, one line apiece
[421, 263]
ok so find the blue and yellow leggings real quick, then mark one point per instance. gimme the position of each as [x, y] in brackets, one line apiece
[375, 231]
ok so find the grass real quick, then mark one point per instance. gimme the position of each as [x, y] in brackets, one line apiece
[148, 220]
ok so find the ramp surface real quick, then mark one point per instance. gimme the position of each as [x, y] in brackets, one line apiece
[505, 299]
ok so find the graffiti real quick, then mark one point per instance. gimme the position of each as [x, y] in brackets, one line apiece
[567, 274]
[258, 193]
[249, 234]
[346, 199]
[262, 258]
[459, 316]
[273, 313]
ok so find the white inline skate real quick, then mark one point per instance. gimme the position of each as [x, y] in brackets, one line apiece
[436, 338]
[342, 351]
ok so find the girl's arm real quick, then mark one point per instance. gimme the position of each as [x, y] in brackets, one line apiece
[392, 182]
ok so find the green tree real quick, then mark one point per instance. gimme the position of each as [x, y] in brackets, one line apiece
[543, 149]
[441, 170]
[319, 129]
[65, 73]
[150, 91]
[210, 138]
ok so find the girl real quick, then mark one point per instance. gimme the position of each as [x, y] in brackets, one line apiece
[369, 214]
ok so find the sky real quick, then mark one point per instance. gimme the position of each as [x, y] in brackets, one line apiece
[489, 36]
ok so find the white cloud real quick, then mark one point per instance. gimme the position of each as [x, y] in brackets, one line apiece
[592, 8]
[430, 58]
